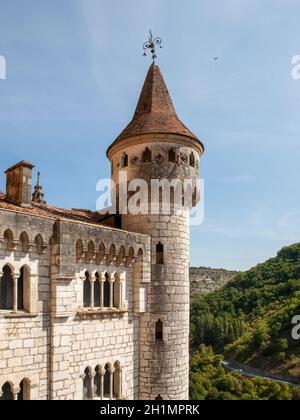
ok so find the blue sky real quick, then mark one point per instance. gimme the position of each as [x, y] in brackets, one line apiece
[74, 72]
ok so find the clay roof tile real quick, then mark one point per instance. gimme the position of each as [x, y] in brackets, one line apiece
[155, 112]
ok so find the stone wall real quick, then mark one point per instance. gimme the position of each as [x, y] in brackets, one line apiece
[53, 342]
[164, 363]
[25, 336]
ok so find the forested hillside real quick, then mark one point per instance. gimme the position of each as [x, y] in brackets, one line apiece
[250, 318]
[210, 381]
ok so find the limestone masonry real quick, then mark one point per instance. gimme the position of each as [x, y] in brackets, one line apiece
[93, 306]
[205, 280]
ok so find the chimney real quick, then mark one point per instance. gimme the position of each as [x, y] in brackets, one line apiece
[19, 184]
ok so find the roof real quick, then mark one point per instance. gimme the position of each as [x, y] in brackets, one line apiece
[45, 210]
[155, 112]
[22, 164]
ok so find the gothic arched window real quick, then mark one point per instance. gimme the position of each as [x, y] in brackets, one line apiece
[9, 239]
[7, 392]
[24, 394]
[97, 382]
[159, 331]
[147, 155]
[88, 384]
[79, 250]
[87, 291]
[117, 292]
[159, 253]
[7, 289]
[39, 244]
[107, 291]
[97, 291]
[21, 281]
[107, 379]
[90, 251]
[24, 241]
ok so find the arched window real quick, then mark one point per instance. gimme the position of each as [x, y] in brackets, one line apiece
[87, 291]
[121, 256]
[106, 286]
[21, 281]
[79, 250]
[27, 291]
[159, 253]
[159, 398]
[111, 255]
[125, 160]
[97, 291]
[39, 244]
[97, 382]
[7, 392]
[130, 257]
[24, 242]
[9, 239]
[117, 381]
[107, 379]
[90, 251]
[159, 331]
[88, 384]
[7, 289]
[24, 394]
[101, 253]
[147, 155]
[117, 292]
[172, 155]
[192, 160]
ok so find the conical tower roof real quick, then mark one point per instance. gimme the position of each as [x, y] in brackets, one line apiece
[155, 112]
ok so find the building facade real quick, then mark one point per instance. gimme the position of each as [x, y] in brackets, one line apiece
[93, 306]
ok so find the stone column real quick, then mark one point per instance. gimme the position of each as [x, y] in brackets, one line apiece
[92, 281]
[15, 295]
[101, 372]
[102, 280]
[15, 392]
[123, 289]
[91, 386]
[111, 396]
[111, 281]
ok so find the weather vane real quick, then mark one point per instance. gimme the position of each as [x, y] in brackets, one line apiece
[151, 45]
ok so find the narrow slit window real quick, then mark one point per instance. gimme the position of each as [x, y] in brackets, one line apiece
[159, 253]
[159, 331]
[147, 155]
[125, 161]
[192, 160]
[172, 156]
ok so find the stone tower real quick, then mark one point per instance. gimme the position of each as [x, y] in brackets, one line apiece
[157, 145]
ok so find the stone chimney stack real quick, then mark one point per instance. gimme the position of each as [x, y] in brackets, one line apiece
[19, 184]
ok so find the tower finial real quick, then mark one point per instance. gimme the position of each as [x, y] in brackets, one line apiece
[151, 44]
[38, 195]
